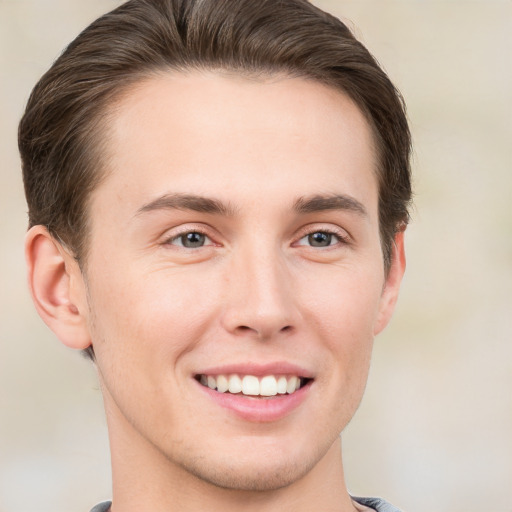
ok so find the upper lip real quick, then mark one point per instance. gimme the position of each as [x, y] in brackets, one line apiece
[258, 369]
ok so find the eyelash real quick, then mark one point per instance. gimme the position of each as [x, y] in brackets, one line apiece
[341, 236]
[185, 232]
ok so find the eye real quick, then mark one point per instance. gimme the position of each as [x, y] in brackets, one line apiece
[191, 240]
[321, 239]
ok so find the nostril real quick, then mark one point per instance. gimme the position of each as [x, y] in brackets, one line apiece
[262, 332]
[246, 328]
[261, 326]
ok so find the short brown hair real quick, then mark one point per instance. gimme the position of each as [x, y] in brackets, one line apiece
[60, 133]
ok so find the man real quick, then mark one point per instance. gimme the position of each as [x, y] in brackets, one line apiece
[218, 195]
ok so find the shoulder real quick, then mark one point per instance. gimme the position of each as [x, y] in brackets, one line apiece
[377, 504]
[102, 507]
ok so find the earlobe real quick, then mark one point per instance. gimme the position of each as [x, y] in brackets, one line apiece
[392, 284]
[57, 288]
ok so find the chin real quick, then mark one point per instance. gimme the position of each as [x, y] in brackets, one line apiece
[250, 475]
[254, 480]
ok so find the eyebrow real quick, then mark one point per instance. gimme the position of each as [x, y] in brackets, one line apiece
[302, 205]
[187, 202]
[319, 203]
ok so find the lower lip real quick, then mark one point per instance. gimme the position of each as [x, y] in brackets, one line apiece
[259, 409]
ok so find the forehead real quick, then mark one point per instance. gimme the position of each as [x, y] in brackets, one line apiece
[209, 129]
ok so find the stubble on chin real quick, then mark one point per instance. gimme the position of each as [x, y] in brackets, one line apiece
[261, 476]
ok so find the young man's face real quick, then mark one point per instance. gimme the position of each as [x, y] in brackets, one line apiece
[236, 233]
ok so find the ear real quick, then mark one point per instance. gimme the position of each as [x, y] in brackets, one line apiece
[392, 283]
[57, 288]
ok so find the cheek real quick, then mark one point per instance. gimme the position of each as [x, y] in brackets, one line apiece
[342, 311]
[343, 303]
[151, 319]
[141, 330]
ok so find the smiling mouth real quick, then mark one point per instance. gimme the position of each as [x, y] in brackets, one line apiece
[266, 386]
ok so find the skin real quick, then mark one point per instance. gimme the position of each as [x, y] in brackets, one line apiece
[157, 313]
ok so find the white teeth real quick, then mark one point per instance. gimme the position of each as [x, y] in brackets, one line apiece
[211, 382]
[222, 384]
[268, 386]
[292, 384]
[250, 385]
[235, 384]
[281, 385]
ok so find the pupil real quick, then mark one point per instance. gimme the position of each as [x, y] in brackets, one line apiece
[320, 239]
[193, 240]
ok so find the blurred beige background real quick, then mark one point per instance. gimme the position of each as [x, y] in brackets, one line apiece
[434, 432]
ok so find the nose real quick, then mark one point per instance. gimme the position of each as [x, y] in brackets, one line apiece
[259, 299]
